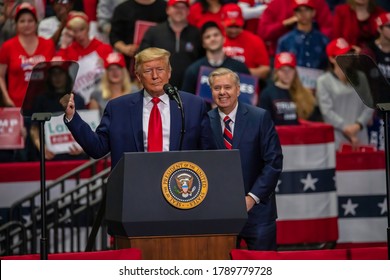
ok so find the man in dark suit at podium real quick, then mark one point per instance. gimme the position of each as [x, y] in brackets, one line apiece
[146, 120]
[250, 129]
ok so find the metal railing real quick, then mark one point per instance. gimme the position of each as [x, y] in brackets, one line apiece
[70, 213]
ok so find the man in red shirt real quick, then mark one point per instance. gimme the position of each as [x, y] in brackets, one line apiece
[243, 45]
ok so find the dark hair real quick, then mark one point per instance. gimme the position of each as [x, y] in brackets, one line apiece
[24, 11]
[51, 88]
[370, 8]
[207, 25]
[205, 5]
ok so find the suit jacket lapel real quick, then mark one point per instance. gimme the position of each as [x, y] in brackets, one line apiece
[239, 126]
[136, 114]
[174, 136]
[216, 128]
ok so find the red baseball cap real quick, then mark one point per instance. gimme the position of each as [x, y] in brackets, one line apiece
[26, 6]
[285, 59]
[337, 47]
[114, 58]
[174, 2]
[231, 15]
[299, 3]
[382, 19]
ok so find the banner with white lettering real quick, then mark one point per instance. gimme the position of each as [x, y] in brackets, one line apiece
[309, 76]
[248, 86]
[11, 126]
[58, 138]
[89, 75]
[376, 132]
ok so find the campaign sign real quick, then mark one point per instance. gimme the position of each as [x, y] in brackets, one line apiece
[141, 26]
[58, 138]
[89, 75]
[309, 76]
[248, 86]
[11, 125]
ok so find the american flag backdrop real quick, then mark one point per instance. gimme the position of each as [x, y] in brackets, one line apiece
[306, 193]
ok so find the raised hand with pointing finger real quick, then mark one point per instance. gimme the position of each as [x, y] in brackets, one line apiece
[124, 125]
[67, 102]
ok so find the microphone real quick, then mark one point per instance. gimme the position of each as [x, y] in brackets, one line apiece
[173, 94]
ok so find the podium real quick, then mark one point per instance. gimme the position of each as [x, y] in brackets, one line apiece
[177, 205]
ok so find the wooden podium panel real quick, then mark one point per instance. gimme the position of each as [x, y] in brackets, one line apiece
[198, 247]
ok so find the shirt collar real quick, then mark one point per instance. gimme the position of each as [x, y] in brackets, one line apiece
[148, 98]
[232, 114]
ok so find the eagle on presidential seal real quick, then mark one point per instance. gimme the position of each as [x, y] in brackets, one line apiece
[184, 183]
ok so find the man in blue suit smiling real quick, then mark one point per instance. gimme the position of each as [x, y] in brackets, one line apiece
[250, 129]
[147, 120]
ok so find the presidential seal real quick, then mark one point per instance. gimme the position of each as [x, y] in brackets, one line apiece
[184, 185]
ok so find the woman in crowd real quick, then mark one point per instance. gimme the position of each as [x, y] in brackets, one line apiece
[115, 82]
[286, 99]
[355, 21]
[339, 103]
[18, 56]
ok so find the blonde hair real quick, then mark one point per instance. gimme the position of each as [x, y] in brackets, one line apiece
[151, 54]
[77, 20]
[105, 84]
[301, 96]
[221, 72]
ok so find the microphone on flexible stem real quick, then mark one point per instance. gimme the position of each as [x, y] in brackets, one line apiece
[173, 94]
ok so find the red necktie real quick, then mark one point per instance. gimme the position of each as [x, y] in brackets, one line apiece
[155, 128]
[227, 133]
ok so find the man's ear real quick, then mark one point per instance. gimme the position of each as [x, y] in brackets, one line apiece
[138, 77]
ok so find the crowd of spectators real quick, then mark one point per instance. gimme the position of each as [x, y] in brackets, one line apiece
[284, 44]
